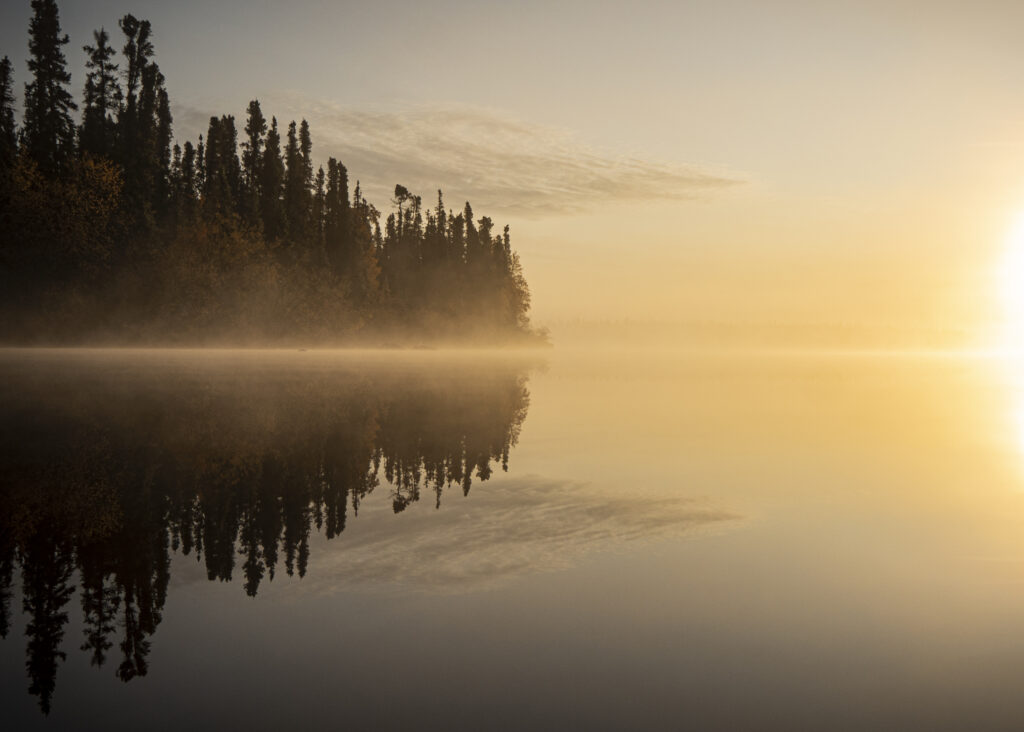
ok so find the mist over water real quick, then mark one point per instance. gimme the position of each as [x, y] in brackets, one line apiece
[824, 539]
[526, 366]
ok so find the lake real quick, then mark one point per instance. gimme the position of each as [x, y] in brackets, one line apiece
[574, 539]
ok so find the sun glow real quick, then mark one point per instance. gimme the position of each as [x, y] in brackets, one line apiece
[1011, 291]
[1011, 287]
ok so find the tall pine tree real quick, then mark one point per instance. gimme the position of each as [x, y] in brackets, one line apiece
[223, 172]
[102, 97]
[8, 133]
[48, 133]
[272, 185]
[296, 192]
[163, 141]
[337, 226]
[136, 138]
[252, 153]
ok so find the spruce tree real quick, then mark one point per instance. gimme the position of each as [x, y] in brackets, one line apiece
[319, 196]
[200, 167]
[337, 227]
[48, 133]
[442, 228]
[271, 185]
[138, 49]
[154, 135]
[471, 235]
[456, 240]
[142, 126]
[223, 172]
[176, 184]
[164, 138]
[187, 185]
[306, 150]
[252, 150]
[8, 134]
[102, 96]
[295, 191]
[213, 193]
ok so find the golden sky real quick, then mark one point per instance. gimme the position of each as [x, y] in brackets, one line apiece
[795, 162]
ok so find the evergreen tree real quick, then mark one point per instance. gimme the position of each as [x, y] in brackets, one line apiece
[437, 241]
[99, 606]
[6, 583]
[338, 232]
[177, 196]
[154, 128]
[200, 167]
[296, 188]
[472, 238]
[138, 49]
[484, 240]
[82, 233]
[252, 151]
[365, 244]
[48, 133]
[319, 196]
[139, 153]
[102, 97]
[214, 189]
[456, 238]
[163, 149]
[8, 133]
[272, 185]
[46, 589]
[223, 172]
[187, 188]
[306, 150]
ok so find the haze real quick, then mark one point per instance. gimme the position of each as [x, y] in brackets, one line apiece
[799, 164]
[283, 438]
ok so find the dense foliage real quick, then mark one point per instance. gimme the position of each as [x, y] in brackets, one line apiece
[114, 231]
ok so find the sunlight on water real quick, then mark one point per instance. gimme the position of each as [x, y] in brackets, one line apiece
[717, 520]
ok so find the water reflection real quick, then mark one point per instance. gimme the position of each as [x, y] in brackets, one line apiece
[106, 472]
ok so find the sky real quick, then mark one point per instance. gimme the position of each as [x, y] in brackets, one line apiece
[796, 163]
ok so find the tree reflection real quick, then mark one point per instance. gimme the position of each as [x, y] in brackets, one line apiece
[104, 476]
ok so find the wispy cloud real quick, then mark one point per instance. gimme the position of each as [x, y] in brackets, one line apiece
[504, 529]
[500, 164]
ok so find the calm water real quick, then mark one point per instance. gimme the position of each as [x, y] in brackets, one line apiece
[584, 540]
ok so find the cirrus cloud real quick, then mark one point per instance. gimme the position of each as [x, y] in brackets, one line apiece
[499, 163]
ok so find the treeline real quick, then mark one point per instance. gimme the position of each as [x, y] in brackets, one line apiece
[114, 230]
[103, 478]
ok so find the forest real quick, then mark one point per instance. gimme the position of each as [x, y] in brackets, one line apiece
[114, 232]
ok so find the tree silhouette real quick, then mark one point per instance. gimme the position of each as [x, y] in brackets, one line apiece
[6, 580]
[8, 132]
[138, 236]
[46, 574]
[48, 133]
[298, 177]
[338, 228]
[252, 161]
[138, 136]
[221, 192]
[106, 478]
[102, 98]
[272, 186]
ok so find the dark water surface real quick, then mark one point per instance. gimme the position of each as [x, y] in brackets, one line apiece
[587, 540]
